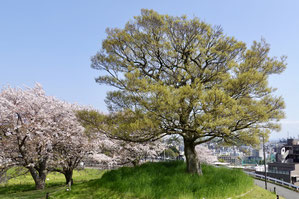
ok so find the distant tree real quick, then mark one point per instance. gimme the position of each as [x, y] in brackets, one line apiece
[182, 76]
[132, 152]
[175, 149]
[116, 151]
[205, 155]
[170, 153]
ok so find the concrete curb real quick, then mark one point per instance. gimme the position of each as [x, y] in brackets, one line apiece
[243, 194]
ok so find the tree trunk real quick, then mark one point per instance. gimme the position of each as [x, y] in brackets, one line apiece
[193, 165]
[68, 174]
[3, 176]
[136, 162]
[40, 183]
[39, 177]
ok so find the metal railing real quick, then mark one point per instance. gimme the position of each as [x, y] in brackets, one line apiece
[276, 181]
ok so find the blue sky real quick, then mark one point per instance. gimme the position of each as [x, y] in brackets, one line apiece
[51, 42]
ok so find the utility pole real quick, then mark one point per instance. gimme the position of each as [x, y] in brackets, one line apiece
[265, 167]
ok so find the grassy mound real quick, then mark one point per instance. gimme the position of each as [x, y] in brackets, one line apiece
[164, 180]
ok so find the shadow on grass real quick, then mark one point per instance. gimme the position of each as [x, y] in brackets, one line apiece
[16, 188]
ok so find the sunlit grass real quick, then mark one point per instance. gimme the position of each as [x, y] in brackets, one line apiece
[164, 180]
[23, 186]
[167, 180]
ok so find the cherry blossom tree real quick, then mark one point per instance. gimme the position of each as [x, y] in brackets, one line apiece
[68, 154]
[114, 152]
[205, 155]
[26, 129]
[72, 145]
[120, 150]
[132, 152]
[35, 129]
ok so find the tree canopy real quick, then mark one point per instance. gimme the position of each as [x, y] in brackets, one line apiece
[176, 75]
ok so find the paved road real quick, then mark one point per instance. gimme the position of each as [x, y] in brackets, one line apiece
[281, 191]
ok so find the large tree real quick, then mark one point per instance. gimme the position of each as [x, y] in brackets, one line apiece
[176, 75]
[25, 123]
[39, 132]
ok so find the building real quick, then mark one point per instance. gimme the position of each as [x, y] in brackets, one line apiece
[286, 167]
[252, 160]
[233, 160]
[257, 153]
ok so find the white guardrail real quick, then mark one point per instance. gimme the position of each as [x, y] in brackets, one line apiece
[280, 182]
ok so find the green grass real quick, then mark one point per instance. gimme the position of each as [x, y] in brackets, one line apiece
[167, 180]
[164, 180]
[23, 186]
